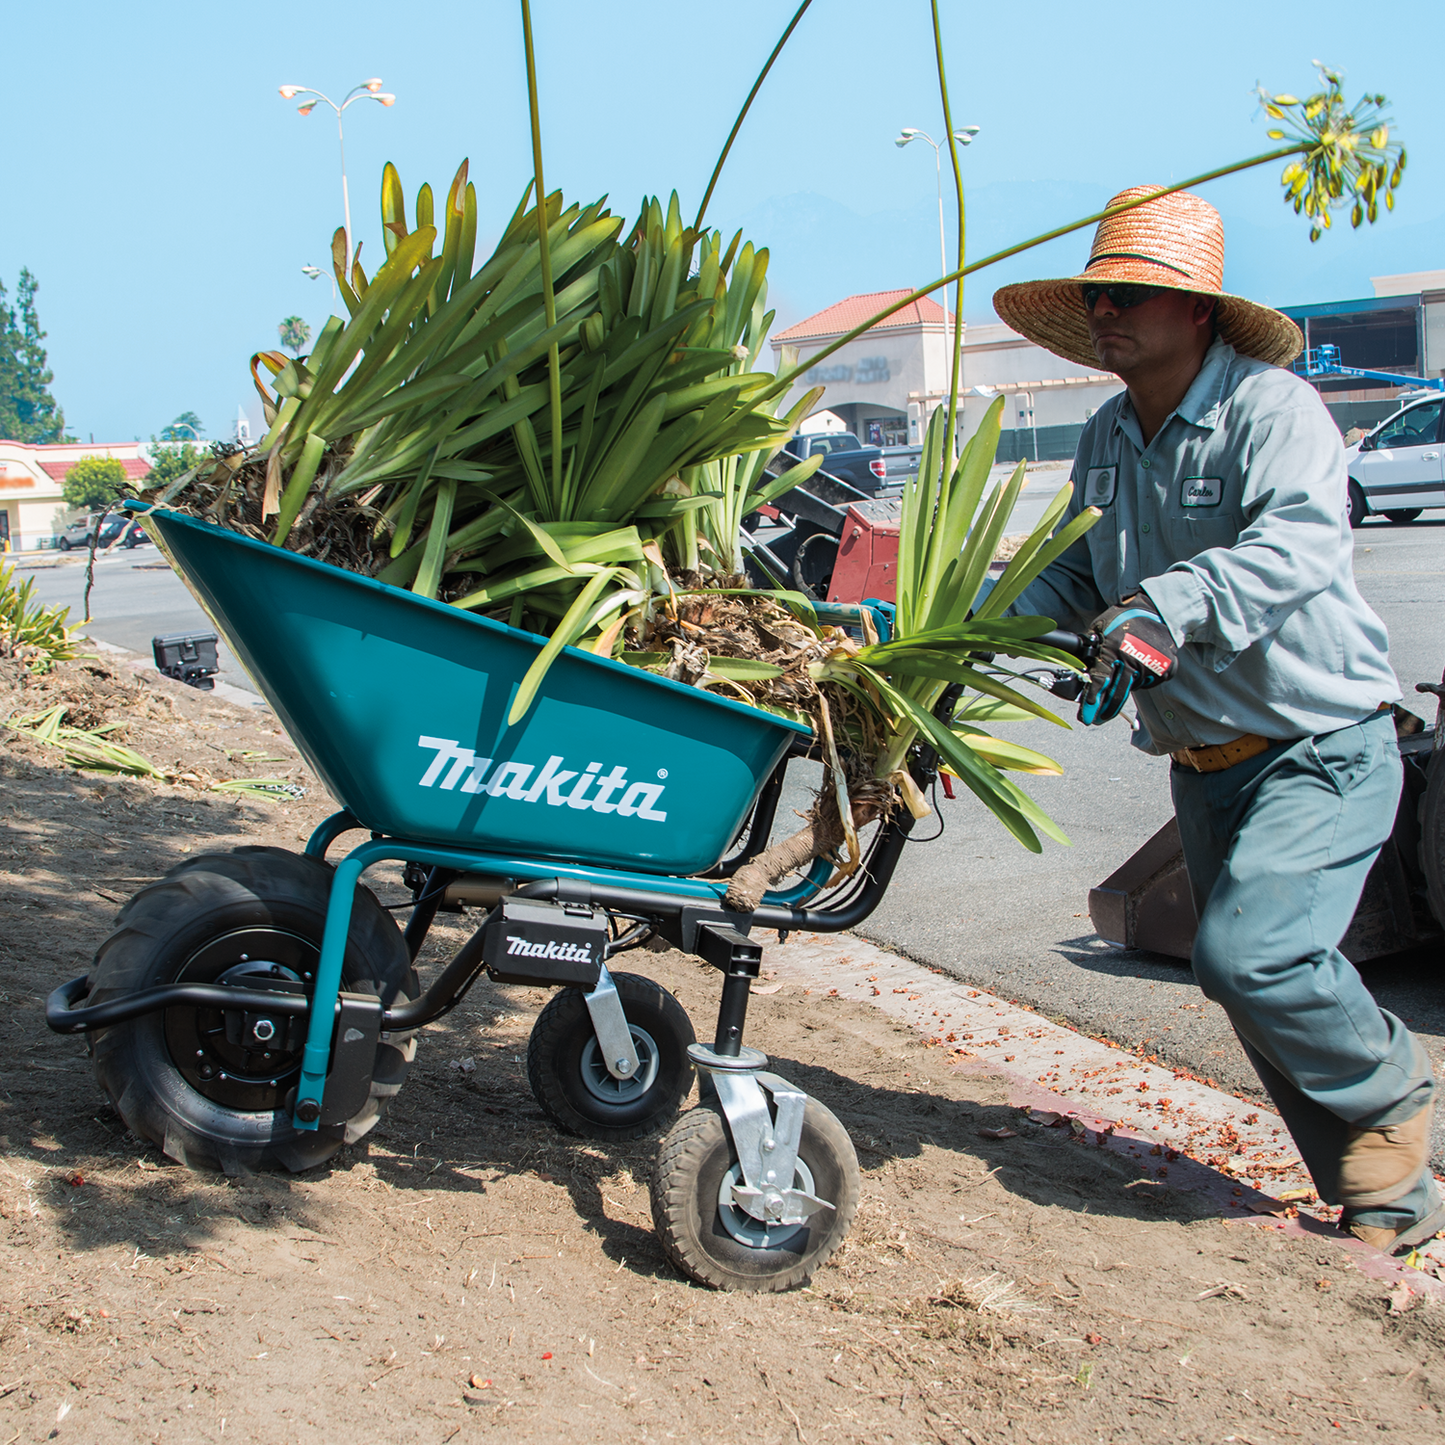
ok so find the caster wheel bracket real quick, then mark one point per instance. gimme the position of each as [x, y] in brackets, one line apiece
[609, 1022]
[765, 1137]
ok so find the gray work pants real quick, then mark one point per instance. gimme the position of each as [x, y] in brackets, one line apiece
[1278, 849]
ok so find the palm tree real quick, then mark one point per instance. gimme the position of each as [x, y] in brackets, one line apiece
[294, 333]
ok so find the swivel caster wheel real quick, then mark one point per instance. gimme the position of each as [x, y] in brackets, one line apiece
[714, 1240]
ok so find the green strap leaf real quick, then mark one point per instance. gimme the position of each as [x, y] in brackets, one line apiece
[430, 575]
[566, 631]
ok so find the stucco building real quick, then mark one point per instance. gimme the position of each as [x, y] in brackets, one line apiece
[32, 506]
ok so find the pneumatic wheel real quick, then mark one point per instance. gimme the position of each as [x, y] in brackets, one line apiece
[712, 1240]
[186, 1078]
[569, 1076]
[1404, 514]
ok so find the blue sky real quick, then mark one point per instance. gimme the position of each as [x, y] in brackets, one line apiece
[166, 197]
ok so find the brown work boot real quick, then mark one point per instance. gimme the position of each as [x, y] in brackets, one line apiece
[1380, 1166]
[1397, 1241]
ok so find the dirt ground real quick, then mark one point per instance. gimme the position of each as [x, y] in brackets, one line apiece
[469, 1271]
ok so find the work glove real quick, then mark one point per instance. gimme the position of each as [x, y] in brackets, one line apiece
[1135, 650]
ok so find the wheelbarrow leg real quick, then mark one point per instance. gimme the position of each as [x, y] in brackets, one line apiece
[316, 1056]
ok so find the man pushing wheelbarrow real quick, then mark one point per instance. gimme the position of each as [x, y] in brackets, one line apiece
[1220, 585]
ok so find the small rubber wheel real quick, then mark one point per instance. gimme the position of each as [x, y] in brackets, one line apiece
[1359, 508]
[1404, 514]
[183, 1080]
[569, 1076]
[713, 1241]
[1432, 837]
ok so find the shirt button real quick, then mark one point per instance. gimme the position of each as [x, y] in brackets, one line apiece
[1169, 715]
[1145, 527]
[1146, 464]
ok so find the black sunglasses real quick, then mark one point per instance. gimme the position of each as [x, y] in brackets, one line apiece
[1121, 295]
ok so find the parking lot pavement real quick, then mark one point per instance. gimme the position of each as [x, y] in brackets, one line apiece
[136, 597]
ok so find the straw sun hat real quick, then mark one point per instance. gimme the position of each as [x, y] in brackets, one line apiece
[1175, 242]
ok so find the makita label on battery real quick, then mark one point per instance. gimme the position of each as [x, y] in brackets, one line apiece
[527, 939]
[588, 789]
[566, 952]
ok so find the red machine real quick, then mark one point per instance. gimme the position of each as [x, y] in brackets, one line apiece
[867, 564]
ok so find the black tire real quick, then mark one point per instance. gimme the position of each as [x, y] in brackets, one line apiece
[571, 1083]
[1359, 508]
[65, 544]
[254, 911]
[694, 1160]
[1404, 514]
[1432, 837]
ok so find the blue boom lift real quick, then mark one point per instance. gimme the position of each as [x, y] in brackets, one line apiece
[1321, 361]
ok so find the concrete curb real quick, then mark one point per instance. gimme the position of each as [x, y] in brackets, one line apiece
[134, 662]
[1181, 1132]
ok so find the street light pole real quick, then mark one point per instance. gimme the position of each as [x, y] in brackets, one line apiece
[963, 137]
[368, 90]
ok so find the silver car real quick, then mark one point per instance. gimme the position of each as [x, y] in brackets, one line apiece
[1396, 470]
[77, 534]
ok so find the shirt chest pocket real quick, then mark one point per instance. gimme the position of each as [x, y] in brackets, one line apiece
[1201, 512]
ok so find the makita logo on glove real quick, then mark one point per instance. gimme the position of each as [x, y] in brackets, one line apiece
[589, 789]
[567, 952]
[1144, 655]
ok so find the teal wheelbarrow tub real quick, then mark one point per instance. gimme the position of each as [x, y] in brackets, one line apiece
[400, 705]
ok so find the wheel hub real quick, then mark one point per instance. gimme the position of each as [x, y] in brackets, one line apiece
[243, 1059]
[602, 1084]
[746, 1227]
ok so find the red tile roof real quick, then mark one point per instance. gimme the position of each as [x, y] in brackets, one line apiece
[134, 468]
[855, 310]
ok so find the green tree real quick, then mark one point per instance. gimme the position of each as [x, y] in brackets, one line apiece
[93, 482]
[170, 462]
[294, 333]
[28, 412]
[186, 427]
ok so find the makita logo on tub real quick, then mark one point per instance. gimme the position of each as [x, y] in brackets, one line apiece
[587, 789]
[566, 952]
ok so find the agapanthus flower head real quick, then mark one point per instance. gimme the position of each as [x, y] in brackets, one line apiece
[1346, 159]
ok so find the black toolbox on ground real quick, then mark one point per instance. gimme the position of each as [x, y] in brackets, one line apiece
[189, 657]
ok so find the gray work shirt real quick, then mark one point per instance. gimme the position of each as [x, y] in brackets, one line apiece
[1232, 521]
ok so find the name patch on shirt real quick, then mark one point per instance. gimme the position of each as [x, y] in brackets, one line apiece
[1201, 492]
[1099, 484]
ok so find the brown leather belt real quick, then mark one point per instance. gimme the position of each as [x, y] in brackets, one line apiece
[1222, 755]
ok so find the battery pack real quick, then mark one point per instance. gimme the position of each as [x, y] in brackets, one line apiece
[545, 943]
[189, 657]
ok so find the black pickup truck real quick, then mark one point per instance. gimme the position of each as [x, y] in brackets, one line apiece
[844, 457]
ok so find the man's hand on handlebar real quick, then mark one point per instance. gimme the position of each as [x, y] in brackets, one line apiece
[1134, 650]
